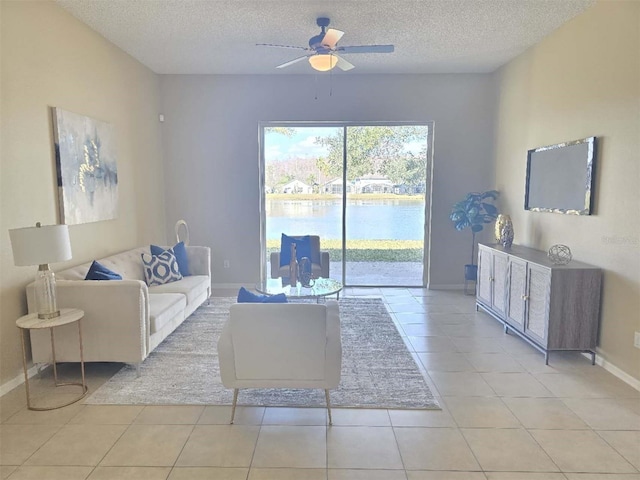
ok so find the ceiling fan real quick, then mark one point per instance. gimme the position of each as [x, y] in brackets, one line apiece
[323, 49]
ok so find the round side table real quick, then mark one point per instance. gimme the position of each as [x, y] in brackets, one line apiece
[32, 322]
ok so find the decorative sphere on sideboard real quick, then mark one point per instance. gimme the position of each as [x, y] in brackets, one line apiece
[560, 254]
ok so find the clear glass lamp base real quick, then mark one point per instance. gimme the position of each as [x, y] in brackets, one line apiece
[46, 293]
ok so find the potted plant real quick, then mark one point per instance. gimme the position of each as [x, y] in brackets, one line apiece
[474, 211]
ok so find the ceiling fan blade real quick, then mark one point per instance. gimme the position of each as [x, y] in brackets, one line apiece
[291, 62]
[366, 49]
[332, 37]
[281, 46]
[343, 64]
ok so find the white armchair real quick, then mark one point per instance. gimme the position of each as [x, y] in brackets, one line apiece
[281, 345]
[319, 261]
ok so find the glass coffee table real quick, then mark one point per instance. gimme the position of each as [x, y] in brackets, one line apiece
[322, 287]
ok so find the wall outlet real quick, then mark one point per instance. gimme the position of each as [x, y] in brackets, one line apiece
[636, 340]
[226, 264]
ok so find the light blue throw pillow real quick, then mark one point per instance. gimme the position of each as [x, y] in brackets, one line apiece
[160, 269]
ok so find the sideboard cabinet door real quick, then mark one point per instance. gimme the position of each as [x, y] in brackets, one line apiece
[537, 300]
[492, 279]
[485, 275]
[499, 293]
[516, 298]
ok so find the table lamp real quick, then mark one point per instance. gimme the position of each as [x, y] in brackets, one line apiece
[41, 246]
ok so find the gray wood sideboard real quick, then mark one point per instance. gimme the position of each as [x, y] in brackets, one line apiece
[553, 307]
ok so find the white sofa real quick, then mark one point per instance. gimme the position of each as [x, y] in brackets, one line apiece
[281, 345]
[124, 319]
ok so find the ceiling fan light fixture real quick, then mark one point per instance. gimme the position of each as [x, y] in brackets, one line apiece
[323, 62]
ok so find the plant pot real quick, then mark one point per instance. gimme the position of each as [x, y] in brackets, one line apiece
[471, 272]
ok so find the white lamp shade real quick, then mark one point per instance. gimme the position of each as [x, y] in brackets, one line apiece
[40, 245]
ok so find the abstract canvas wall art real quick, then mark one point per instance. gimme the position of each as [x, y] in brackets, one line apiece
[86, 168]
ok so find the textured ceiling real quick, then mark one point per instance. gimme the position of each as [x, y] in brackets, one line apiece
[219, 36]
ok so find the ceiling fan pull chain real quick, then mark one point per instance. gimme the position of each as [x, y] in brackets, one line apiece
[331, 82]
[315, 85]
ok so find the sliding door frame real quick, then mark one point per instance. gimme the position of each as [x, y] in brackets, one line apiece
[427, 196]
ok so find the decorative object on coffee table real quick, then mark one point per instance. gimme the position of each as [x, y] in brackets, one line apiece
[559, 254]
[293, 266]
[304, 274]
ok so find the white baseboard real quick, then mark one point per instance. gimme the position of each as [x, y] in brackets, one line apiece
[17, 381]
[616, 372]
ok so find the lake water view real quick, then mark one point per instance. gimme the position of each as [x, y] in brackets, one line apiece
[375, 219]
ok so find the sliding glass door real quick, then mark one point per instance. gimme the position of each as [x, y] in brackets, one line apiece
[361, 188]
[385, 208]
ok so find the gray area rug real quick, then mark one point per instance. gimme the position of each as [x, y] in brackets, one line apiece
[377, 369]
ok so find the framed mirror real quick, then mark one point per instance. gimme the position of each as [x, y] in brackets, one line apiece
[560, 178]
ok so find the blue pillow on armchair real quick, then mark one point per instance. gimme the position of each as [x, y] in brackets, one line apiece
[303, 248]
[245, 296]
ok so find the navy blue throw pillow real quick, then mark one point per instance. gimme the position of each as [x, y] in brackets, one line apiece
[245, 296]
[97, 271]
[180, 252]
[303, 248]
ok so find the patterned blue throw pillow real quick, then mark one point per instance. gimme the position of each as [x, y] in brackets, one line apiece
[160, 269]
[180, 251]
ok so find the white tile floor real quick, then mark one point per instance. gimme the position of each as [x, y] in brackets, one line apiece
[505, 416]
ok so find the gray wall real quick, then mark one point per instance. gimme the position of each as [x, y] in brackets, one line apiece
[210, 139]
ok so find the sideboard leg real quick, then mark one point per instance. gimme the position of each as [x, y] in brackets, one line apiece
[546, 357]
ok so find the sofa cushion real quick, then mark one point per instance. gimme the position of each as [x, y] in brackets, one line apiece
[191, 287]
[163, 307]
[180, 252]
[97, 271]
[161, 269]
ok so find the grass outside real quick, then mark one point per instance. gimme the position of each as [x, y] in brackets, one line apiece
[367, 250]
